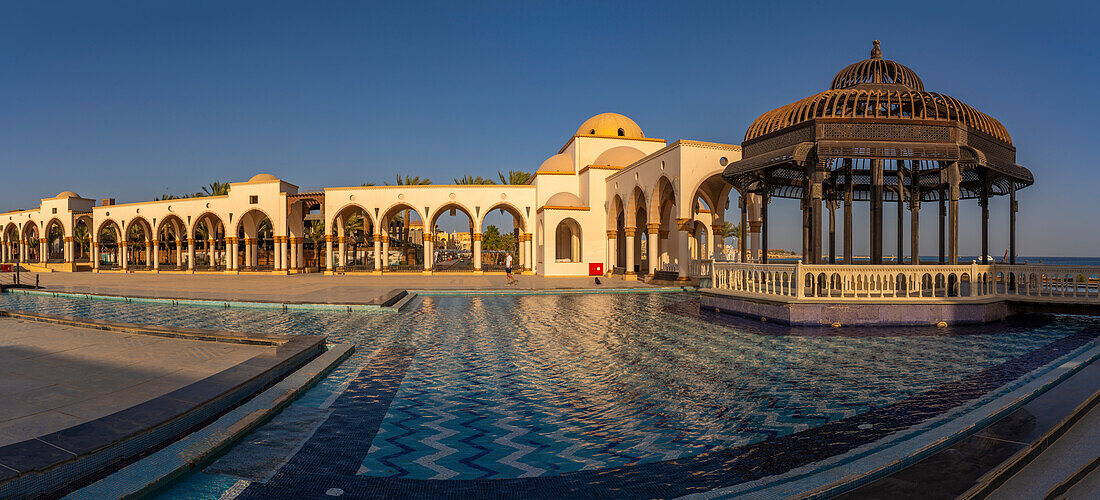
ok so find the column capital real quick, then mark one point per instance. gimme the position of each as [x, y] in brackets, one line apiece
[156, 242]
[629, 231]
[653, 227]
[685, 224]
[342, 239]
[612, 233]
[428, 237]
[68, 239]
[190, 241]
[475, 236]
[717, 229]
[328, 238]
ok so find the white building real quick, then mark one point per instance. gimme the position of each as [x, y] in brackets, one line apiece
[610, 200]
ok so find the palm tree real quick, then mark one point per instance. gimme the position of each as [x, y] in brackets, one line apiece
[469, 179]
[80, 236]
[515, 177]
[216, 188]
[316, 232]
[729, 230]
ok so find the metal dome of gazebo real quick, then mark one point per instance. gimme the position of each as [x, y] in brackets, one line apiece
[876, 135]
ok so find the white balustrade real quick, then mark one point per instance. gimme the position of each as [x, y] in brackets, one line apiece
[907, 282]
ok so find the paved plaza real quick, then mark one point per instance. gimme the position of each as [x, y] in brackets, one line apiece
[54, 377]
[304, 288]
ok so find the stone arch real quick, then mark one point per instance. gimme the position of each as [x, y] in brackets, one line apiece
[664, 192]
[614, 209]
[108, 238]
[212, 246]
[512, 209]
[170, 244]
[206, 215]
[637, 201]
[406, 238]
[336, 215]
[452, 204]
[253, 246]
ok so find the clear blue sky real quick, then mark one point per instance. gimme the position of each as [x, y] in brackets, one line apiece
[132, 99]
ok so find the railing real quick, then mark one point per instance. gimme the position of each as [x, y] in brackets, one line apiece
[902, 282]
[665, 264]
[700, 268]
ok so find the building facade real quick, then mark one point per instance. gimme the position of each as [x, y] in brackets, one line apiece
[610, 201]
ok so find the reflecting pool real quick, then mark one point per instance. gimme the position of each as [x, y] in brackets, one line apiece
[640, 394]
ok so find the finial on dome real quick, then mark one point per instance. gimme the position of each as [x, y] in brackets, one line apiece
[876, 53]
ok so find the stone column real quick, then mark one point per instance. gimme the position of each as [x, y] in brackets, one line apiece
[385, 250]
[612, 244]
[43, 250]
[653, 231]
[67, 245]
[683, 260]
[329, 264]
[377, 252]
[342, 261]
[94, 250]
[718, 244]
[191, 254]
[179, 252]
[280, 253]
[156, 255]
[476, 237]
[629, 232]
[232, 244]
[124, 254]
[429, 253]
[148, 252]
[530, 251]
[294, 253]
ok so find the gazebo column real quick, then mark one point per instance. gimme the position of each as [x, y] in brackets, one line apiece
[377, 252]
[816, 196]
[848, 189]
[984, 201]
[876, 211]
[914, 212]
[953, 213]
[832, 231]
[653, 238]
[901, 212]
[684, 228]
[943, 218]
[743, 239]
[1012, 223]
[476, 237]
[765, 200]
[629, 232]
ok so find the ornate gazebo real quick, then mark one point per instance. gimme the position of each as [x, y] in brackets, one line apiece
[876, 135]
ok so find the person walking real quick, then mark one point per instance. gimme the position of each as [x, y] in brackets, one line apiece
[508, 268]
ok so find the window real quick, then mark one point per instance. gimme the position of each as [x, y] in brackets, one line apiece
[567, 239]
[592, 132]
[55, 210]
[622, 132]
[253, 199]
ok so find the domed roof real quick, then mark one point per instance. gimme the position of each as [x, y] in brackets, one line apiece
[611, 124]
[620, 156]
[67, 194]
[262, 178]
[560, 162]
[877, 71]
[564, 199]
[877, 89]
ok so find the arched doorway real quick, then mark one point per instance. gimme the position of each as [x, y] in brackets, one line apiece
[170, 243]
[503, 231]
[55, 241]
[353, 231]
[139, 247]
[567, 241]
[403, 241]
[107, 243]
[451, 239]
[82, 240]
[209, 235]
[254, 249]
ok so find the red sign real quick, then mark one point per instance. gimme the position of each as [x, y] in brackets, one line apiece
[595, 269]
[5, 268]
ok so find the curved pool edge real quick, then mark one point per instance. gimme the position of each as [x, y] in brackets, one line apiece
[870, 462]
